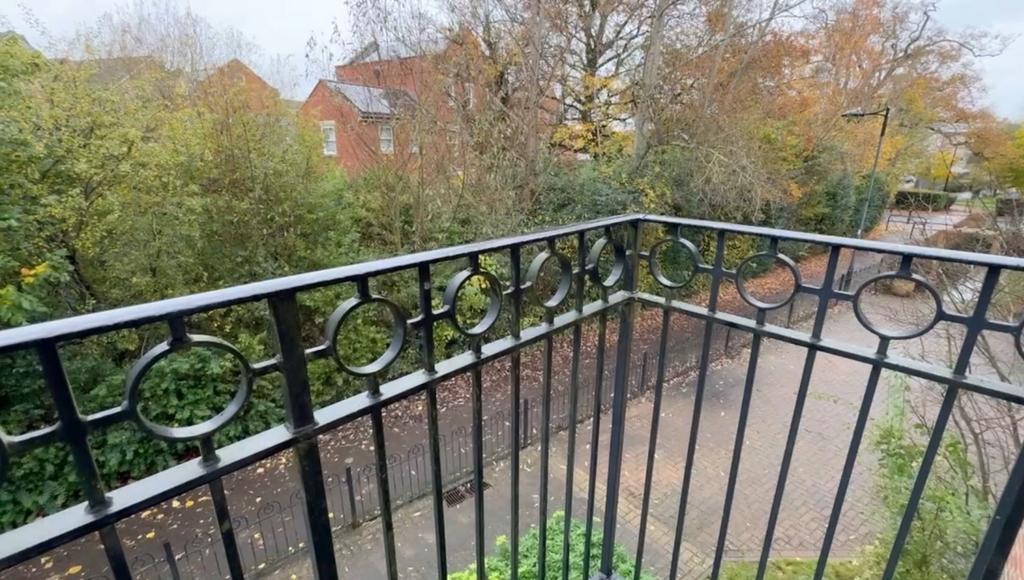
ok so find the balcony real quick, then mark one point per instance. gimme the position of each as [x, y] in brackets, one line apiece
[687, 409]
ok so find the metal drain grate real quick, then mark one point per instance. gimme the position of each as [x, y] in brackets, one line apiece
[461, 493]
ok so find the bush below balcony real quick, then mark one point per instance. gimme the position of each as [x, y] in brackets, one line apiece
[499, 565]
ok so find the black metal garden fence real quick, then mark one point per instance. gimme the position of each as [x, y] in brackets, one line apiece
[616, 265]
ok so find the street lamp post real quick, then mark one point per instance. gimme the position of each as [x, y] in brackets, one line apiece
[949, 169]
[884, 114]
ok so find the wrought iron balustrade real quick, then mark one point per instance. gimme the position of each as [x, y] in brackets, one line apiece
[603, 270]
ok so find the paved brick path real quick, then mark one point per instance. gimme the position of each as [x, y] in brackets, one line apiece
[834, 397]
[835, 392]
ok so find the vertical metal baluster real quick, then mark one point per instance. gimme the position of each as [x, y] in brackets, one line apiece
[618, 427]
[172, 564]
[851, 459]
[516, 292]
[114, 551]
[741, 429]
[384, 491]
[737, 446]
[75, 434]
[284, 310]
[574, 385]
[427, 353]
[824, 297]
[226, 528]
[208, 450]
[478, 466]
[698, 403]
[652, 445]
[545, 439]
[595, 433]
[222, 511]
[478, 449]
[1003, 529]
[975, 324]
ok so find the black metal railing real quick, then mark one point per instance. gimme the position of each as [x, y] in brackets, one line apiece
[603, 271]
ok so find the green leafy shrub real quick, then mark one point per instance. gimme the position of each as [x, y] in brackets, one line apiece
[585, 192]
[954, 508]
[836, 206]
[499, 565]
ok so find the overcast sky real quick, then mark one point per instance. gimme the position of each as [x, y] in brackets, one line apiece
[282, 27]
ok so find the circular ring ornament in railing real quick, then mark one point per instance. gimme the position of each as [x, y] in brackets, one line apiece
[451, 301]
[564, 276]
[398, 326]
[618, 266]
[662, 245]
[137, 374]
[858, 309]
[783, 259]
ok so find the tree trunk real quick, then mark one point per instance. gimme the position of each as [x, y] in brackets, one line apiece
[649, 81]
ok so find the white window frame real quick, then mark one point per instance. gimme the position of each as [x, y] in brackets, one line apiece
[453, 98]
[386, 144]
[332, 127]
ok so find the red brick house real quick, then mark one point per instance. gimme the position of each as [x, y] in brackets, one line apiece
[236, 78]
[397, 105]
[359, 123]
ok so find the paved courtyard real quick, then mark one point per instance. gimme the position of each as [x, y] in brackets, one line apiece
[835, 393]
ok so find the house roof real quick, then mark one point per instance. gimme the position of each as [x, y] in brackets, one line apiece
[375, 51]
[371, 101]
[17, 37]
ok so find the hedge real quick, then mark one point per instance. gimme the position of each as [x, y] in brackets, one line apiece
[923, 200]
[1008, 206]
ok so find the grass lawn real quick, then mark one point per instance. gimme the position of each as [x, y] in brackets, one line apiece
[790, 569]
[987, 203]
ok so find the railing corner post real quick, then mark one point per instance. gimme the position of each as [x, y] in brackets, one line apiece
[1000, 538]
[620, 390]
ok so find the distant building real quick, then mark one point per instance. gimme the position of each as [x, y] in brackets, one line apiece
[235, 75]
[391, 104]
[218, 85]
[358, 122]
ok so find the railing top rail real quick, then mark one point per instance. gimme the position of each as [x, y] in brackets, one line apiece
[139, 314]
[924, 252]
[130, 316]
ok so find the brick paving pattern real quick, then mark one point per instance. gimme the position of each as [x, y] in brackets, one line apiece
[835, 393]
